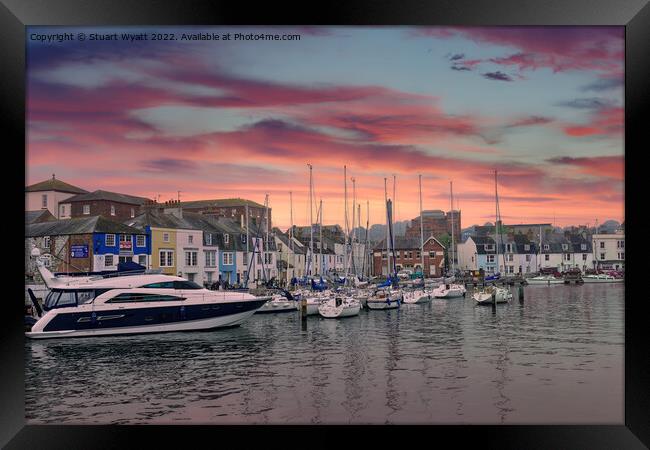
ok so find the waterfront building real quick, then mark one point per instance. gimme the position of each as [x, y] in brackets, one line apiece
[564, 252]
[231, 208]
[291, 254]
[112, 205]
[47, 195]
[162, 230]
[88, 244]
[408, 257]
[435, 223]
[609, 250]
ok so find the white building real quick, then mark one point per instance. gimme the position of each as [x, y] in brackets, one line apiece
[609, 250]
[47, 195]
[191, 257]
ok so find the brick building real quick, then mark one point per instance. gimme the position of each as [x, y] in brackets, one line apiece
[435, 223]
[232, 208]
[407, 256]
[112, 205]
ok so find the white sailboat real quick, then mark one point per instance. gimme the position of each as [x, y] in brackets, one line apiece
[448, 289]
[494, 294]
[545, 280]
[601, 278]
[419, 294]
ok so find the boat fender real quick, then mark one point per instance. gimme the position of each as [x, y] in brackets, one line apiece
[93, 318]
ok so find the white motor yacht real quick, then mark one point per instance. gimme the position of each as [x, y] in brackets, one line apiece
[601, 278]
[133, 304]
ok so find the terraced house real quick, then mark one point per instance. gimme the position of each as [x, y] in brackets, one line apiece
[88, 244]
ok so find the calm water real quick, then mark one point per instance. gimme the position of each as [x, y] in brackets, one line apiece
[556, 359]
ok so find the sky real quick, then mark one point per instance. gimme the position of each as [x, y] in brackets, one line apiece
[543, 106]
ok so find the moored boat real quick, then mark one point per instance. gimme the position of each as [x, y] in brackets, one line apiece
[416, 296]
[601, 278]
[492, 294]
[339, 306]
[449, 291]
[544, 279]
[135, 304]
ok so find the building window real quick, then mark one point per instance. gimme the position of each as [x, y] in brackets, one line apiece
[110, 240]
[583, 246]
[621, 256]
[208, 277]
[211, 258]
[526, 247]
[490, 258]
[602, 244]
[46, 242]
[267, 258]
[509, 247]
[546, 247]
[527, 258]
[620, 244]
[226, 238]
[280, 248]
[142, 260]
[565, 246]
[208, 239]
[489, 247]
[165, 237]
[227, 258]
[602, 256]
[567, 256]
[112, 210]
[584, 257]
[86, 209]
[140, 241]
[108, 260]
[132, 212]
[432, 254]
[166, 258]
[190, 259]
[44, 201]
[62, 212]
[190, 239]
[547, 257]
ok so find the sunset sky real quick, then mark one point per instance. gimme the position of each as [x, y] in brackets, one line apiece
[220, 119]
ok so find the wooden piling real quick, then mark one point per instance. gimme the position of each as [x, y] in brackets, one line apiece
[521, 293]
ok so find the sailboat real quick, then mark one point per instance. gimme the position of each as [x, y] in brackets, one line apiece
[494, 294]
[387, 296]
[341, 304]
[419, 294]
[448, 289]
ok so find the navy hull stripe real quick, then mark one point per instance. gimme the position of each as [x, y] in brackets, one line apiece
[118, 318]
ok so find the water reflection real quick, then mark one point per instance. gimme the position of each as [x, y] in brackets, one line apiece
[447, 361]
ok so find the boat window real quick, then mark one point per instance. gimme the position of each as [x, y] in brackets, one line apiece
[140, 297]
[51, 299]
[66, 299]
[161, 285]
[85, 297]
[186, 285]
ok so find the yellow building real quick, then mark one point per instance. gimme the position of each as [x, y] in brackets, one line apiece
[163, 250]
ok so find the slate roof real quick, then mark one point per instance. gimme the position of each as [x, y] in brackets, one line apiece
[55, 185]
[159, 220]
[41, 215]
[82, 225]
[217, 203]
[109, 196]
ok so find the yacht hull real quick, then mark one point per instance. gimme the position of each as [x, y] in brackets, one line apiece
[59, 323]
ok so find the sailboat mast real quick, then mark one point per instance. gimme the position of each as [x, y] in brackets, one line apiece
[366, 254]
[345, 190]
[421, 228]
[311, 224]
[392, 214]
[320, 231]
[293, 259]
[354, 216]
[451, 196]
[496, 221]
[387, 234]
[267, 276]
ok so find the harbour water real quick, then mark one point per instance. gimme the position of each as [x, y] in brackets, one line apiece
[556, 359]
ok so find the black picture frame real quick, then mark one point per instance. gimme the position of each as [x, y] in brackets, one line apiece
[15, 15]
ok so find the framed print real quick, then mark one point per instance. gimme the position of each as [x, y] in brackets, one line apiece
[405, 214]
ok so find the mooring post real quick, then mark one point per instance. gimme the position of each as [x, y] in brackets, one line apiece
[521, 293]
[303, 309]
[494, 297]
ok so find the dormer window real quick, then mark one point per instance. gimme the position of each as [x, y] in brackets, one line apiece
[583, 246]
[546, 246]
[44, 201]
[86, 209]
[526, 247]
[112, 210]
[208, 239]
[226, 238]
[132, 212]
[565, 246]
